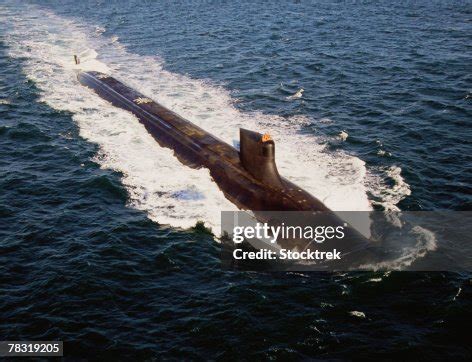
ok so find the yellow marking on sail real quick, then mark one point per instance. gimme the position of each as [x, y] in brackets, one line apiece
[142, 100]
[266, 137]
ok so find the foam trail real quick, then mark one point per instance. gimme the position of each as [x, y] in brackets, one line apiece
[157, 183]
[388, 196]
[425, 242]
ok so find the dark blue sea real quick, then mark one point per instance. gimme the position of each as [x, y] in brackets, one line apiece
[101, 237]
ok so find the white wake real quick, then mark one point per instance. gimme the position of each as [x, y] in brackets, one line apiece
[157, 183]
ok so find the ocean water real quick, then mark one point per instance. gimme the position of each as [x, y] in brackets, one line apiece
[370, 107]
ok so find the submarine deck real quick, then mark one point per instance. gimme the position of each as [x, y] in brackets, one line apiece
[193, 146]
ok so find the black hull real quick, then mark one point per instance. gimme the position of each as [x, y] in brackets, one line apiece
[197, 148]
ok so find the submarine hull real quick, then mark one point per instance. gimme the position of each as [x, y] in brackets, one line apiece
[197, 148]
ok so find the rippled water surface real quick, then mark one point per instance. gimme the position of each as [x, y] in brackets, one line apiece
[370, 107]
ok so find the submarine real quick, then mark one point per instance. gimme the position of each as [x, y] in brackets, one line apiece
[248, 178]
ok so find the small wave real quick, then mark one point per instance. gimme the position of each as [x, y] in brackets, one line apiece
[326, 121]
[297, 95]
[343, 135]
[383, 153]
[425, 241]
[99, 30]
[390, 189]
[400, 187]
[357, 314]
